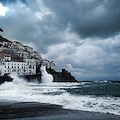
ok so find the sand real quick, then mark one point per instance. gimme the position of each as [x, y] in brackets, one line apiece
[38, 111]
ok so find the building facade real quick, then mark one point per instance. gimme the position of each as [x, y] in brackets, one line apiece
[15, 58]
[13, 67]
[18, 67]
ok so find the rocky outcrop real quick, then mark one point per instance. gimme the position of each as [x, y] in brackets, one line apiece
[63, 76]
[5, 78]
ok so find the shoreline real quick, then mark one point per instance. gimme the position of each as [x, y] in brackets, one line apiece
[40, 111]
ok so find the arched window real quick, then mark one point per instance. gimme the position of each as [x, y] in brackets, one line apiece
[30, 66]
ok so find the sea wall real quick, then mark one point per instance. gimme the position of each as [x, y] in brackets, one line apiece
[33, 78]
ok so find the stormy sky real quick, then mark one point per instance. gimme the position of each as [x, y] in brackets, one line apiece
[82, 36]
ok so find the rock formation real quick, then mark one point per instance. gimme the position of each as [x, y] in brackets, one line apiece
[63, 76]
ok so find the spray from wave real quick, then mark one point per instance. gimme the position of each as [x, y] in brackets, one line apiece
[17, 80]
[21, 91]
[46, 78]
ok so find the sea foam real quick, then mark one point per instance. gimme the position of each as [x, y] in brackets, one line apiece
[55, 93]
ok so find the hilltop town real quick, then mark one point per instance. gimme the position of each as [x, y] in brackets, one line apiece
[24, 61]
[21, 59]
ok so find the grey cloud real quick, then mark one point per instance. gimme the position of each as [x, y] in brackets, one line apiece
[89, 18]
[89, 61]
[11, 1]
[22, 24]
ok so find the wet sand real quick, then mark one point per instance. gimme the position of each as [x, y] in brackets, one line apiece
[39, 111]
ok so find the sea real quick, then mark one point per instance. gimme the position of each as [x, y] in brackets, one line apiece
[96, 96]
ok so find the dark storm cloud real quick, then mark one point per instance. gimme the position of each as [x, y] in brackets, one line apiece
[89, 18]
[10, 1]
[31, 23]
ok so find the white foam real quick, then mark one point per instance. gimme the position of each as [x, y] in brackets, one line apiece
[33, 92]
[46, 78]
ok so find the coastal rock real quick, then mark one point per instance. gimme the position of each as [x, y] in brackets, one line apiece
[5, 78]
[63, 76]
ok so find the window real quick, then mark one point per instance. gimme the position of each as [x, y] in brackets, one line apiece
[13, 70]
[30, 66]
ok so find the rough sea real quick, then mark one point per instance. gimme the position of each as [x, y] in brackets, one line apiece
[97, 96]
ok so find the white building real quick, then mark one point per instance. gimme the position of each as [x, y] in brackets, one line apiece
[31, 66]
[7, 57]
[19, 68]
[6, 43]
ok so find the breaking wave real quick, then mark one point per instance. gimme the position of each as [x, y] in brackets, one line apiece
[46, 78]
[64, 94]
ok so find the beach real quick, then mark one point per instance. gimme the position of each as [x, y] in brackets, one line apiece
[39, 111]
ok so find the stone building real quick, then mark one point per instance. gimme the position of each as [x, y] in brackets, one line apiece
[48, 64]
